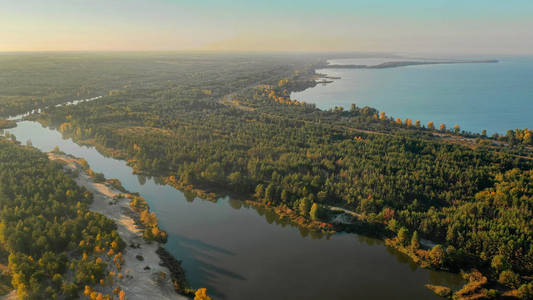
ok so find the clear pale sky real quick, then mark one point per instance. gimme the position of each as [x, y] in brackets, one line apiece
[430, 26]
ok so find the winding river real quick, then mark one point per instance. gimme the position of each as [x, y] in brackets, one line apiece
[240, 252]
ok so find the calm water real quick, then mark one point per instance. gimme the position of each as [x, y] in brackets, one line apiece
[494, 96]
[239, 252]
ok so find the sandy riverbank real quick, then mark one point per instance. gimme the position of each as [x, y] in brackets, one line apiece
[147, 280]
[10, 296]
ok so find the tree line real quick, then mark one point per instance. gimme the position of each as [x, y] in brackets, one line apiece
[55, 245]
[267, 147]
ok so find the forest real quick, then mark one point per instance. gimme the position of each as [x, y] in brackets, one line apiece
[53, 245]
[45, 79]
[228, 125]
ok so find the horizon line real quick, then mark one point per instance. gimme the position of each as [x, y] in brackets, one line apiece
[377, 52]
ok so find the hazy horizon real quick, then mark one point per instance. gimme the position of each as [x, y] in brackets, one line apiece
[452, 27]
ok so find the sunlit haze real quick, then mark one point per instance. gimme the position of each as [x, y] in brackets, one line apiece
[447, 26]
[280, 149]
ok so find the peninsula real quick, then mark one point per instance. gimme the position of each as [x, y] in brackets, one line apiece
[396, 64]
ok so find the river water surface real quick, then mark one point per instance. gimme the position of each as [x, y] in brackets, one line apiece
[238, 252]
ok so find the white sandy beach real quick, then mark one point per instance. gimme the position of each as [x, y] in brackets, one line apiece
[147, 280]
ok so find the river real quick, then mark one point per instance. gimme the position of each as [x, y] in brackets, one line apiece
[239, 252]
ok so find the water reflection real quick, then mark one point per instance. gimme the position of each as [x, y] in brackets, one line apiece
[190, 196]
[201, 254]
[272, 218]
[446, 279]
[141, 179]
[242, 251]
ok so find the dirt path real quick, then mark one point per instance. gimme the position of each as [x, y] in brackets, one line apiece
[147, 280]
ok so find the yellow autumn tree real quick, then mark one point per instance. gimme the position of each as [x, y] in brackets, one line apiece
[147, 218]
[155, 231]
[114, 246]
[201, 294]
[456, 128]
[87, 291]
[528, 137]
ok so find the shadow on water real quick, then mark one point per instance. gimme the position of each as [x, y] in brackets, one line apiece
[210, 273]
[237, 255]
[200, 245]
[197, 255]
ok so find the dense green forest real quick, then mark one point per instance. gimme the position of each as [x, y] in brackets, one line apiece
[228, 125]
[39, 80]
[53, 245]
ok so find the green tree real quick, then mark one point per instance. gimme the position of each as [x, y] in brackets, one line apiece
[270, 194]
[314, 213]
[451, 255]
[525, 291]
[528, 137]
[499, 263]
[415, 241]
[259, 192]
[403, 236]
[305, 205]
[235, 179]
[509, 278]
[284, 196]
[437, 255]
[392, 225]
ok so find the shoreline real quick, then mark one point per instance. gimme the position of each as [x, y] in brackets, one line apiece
[396, 64]
[150, 275]
[210, 193]
[283, 212]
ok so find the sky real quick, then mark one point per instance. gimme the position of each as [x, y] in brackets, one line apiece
[399, 26]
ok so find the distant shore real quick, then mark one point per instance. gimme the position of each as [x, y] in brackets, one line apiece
[396, 64]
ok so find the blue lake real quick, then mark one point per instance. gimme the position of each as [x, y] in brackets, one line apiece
[476, 96]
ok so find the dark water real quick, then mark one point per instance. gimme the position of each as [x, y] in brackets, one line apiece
[239, 252]
[491, 96]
